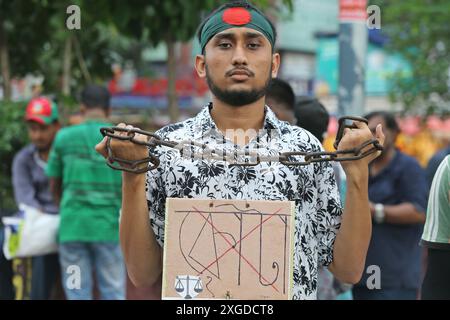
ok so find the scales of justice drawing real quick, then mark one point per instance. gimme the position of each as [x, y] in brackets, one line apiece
[228, 249]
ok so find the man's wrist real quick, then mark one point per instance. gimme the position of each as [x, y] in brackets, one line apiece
[132, 178]
[379, 215]
[358, 181]
[356, 173]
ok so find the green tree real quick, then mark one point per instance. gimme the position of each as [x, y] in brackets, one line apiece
[23, 31]
[13, 138]
[419, 30]
[34, 38]
[169, 21]
[75, 57]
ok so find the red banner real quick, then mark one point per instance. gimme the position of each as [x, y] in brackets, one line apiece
[352, 10]
[193, 86]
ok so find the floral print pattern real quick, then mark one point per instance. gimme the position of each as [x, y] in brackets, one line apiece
[313, 188]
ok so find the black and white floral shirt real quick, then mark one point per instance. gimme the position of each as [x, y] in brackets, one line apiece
[312, 187]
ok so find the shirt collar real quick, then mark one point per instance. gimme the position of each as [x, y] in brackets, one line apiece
[393, 165]
[204, 123]
[37, 159]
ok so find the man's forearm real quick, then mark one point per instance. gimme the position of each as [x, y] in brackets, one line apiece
[352, 240]
[141, 251]
[56, 190]
[404, 213]
[24, 191]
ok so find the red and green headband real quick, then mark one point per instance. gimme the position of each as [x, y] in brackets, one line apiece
[236, 17]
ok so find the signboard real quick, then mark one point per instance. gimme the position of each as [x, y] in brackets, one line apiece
[228, 249]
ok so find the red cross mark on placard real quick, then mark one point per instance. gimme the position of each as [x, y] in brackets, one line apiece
[233, 247]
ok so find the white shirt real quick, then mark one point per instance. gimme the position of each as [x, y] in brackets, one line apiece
[313, 187]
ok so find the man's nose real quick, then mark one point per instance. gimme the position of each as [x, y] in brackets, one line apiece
[39, 134]
[239, 56]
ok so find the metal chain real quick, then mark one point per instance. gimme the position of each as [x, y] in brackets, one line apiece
[286, 158]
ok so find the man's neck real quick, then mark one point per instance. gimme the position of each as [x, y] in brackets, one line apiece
[246, 117]
[43, 154]
[94, 114]
[238, 124]
[382, 161]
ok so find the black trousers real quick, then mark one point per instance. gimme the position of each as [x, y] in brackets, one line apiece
[436, 285]
[38, 284]
[6, 273]
[45, 272]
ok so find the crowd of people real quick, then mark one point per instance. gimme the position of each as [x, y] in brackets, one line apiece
[74, 182]
[398, 192]
[59, 172]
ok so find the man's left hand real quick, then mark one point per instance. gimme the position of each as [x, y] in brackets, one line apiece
[353, 138]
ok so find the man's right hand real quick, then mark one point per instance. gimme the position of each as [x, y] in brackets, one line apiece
[141, 251]
[123, 149]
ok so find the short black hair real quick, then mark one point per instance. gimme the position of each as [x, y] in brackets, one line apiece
[312, 116]
[237, 4]
[281, 91]
[95, 96]
[388, 117]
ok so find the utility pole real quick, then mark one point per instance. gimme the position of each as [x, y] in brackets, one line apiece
[352, 57]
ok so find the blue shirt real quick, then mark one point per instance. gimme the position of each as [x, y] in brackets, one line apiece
[395, 247]
[31, 185]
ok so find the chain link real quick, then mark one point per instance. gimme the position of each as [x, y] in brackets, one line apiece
[286, 158]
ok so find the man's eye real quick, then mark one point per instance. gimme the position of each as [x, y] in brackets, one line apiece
[254, 45]
[225, 45]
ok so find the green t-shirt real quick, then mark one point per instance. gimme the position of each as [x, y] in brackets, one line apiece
[436, 233]
[91, 191]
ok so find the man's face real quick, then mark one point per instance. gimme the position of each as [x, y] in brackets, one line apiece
[390, 134]
[42, 135]
[238, 65]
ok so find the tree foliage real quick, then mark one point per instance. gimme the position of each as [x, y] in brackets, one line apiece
[419, 30]
[111, 31]
[12, 139]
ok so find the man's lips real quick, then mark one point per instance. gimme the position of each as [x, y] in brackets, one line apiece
[240, 74]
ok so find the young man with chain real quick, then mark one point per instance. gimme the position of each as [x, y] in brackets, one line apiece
[238, 61]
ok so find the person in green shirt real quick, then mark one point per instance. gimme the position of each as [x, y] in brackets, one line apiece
[436, 236]
[89, 196]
